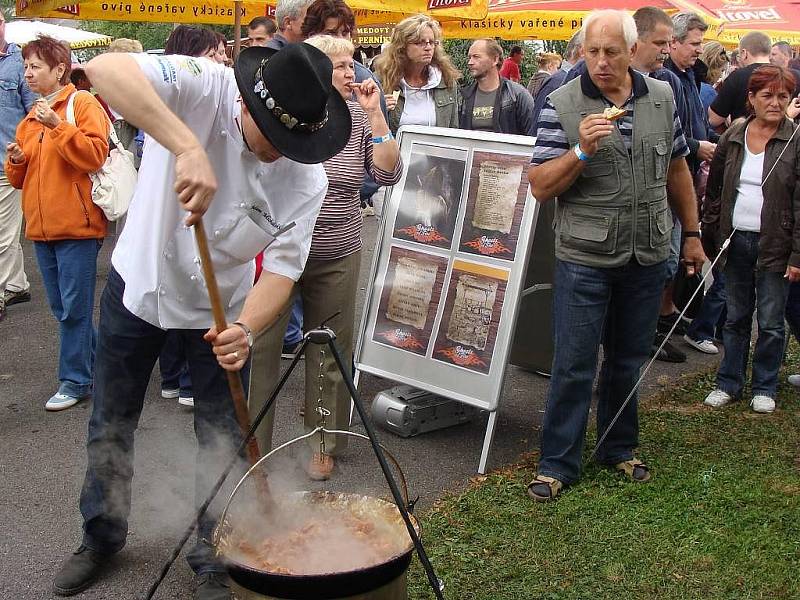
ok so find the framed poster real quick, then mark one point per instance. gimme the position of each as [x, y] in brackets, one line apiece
[440, 313]
[468, 328]
[498, 186]
[431, 195]
[409, 300]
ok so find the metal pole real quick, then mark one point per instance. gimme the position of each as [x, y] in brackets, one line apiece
[237, 28]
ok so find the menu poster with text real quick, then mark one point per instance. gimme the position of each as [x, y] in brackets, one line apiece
[498, 188]
[431, 196]
[409, 299]
[468, 329]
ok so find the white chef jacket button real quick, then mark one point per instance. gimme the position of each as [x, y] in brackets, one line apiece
[162, 292]
[193, 277]
[223, 133]
[242, 205]
[196, 260]
[217, 233]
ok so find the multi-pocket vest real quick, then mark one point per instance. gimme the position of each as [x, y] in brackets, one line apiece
[617, 208]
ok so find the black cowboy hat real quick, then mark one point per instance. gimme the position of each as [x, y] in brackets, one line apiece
[290, 95]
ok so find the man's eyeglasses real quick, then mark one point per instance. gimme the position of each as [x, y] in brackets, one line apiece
[424, 43]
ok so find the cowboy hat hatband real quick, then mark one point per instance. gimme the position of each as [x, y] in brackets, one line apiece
[290, 95]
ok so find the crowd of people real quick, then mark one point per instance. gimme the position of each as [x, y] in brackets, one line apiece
[698, 165]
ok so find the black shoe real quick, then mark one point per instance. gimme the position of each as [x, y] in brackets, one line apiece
[13, 298]
[665, 323]
[79, 571]
[289, 350]
[668, 353]
[213, 586]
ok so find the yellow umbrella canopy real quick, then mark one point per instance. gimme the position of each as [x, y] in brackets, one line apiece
[222, 12]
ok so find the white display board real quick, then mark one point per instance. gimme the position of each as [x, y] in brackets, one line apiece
[449, 263]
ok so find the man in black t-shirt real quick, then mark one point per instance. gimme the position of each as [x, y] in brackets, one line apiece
[492, 102]
[754, 51]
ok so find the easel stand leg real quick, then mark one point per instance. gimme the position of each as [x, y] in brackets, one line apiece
[488, 438]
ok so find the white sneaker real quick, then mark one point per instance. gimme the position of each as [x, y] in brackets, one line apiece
[762, 404]
[706, 346]
[186, 401]
[170, 393]
[717, 398]
[60, 401]
[794, 380]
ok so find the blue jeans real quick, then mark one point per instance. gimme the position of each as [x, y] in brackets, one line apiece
[749, 289]
[173, 366]
[69, 270]
[625, 299]
[294, 330]
[712, 313]
[127, 351]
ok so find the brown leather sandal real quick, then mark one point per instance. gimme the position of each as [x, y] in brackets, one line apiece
[635, 470]
[544, 488]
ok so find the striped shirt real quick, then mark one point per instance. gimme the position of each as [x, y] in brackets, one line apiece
[552, 141]
[337, 232]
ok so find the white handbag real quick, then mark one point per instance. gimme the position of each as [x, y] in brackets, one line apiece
[113, 184]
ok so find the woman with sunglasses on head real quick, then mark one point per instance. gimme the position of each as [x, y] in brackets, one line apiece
[752, 197]
[420, 80]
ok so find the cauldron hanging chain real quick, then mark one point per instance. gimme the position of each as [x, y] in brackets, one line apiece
[321, 410]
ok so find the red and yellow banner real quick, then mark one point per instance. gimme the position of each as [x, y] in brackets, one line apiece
[222, 11]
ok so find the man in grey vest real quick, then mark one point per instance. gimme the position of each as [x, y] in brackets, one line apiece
[612, 229]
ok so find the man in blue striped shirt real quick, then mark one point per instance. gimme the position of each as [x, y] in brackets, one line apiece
[613, 225]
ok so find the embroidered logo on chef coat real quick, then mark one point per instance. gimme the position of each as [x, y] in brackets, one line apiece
[168, 73]
[262, 217]
[192, 66]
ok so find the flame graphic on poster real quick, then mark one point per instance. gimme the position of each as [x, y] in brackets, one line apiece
[463, 357]
[488, 246]
[424, 234]
[401, 338]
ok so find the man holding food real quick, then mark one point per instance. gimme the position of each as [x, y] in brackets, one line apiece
[610, 146]
[239, 138]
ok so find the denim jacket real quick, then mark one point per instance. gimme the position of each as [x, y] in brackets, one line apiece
[16, 98]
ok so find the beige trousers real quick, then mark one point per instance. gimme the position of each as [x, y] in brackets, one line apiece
[12, 273]
[325, 287]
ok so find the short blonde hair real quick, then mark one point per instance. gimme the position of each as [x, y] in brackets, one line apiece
[332, 46]
[548, 58]
[125, 45]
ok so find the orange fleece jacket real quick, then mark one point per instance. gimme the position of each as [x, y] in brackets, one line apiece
[54, 177]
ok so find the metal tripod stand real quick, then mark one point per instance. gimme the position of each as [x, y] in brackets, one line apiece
[323, 336]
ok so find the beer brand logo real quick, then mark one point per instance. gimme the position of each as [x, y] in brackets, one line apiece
[73, 9]
[750, 15]
[441, 4]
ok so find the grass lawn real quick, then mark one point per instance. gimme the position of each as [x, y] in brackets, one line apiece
[720, 518]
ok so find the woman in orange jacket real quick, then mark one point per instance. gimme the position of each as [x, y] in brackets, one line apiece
[50, 161]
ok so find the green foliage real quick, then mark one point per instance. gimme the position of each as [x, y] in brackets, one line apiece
[718, 521]
[459, 49]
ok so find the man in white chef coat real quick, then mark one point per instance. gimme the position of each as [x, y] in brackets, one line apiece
[241, 151]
